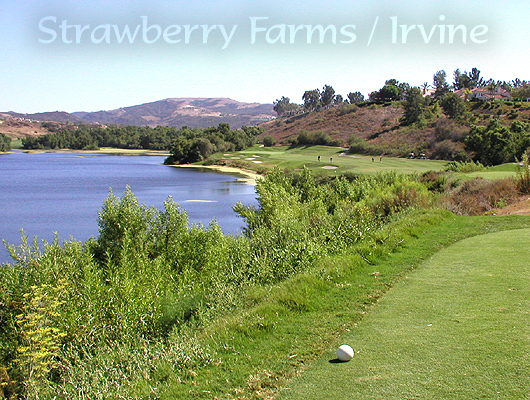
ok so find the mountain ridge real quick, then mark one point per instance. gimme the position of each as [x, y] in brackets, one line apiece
[195, 112]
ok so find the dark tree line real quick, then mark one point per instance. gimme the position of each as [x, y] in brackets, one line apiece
[87, 137]
[315, 100]
[186, 144]
[193, 145]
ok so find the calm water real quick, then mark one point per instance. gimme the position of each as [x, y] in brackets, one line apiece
[63, 192]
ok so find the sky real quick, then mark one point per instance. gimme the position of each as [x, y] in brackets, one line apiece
[68, 55]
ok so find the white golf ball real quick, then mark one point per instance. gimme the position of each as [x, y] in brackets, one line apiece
[345, 353]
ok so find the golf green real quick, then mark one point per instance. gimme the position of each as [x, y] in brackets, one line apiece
[456, 328]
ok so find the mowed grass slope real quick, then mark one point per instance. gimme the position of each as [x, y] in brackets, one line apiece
[456, 328]
[330, 157]
[334, 160]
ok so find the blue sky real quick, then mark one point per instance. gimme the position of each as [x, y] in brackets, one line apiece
[42, 68]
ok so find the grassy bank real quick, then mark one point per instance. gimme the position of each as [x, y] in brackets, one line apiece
[301, 321]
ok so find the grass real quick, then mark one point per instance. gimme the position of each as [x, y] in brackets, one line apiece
[295, 325]
[16, 143]
[330, 157]
[456, 328]
[496, 172]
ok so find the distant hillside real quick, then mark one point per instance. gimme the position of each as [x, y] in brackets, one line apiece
[377, 128]
[192, 112]
[19, 127]
[54, 116]
[339, 122]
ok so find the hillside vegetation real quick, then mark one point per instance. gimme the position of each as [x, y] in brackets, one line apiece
[378, 129]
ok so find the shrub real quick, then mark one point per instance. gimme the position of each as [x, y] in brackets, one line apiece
[269, 141]
[448, 129]
[477, 196]
[464, 166]
[448, 150]
[523, 174]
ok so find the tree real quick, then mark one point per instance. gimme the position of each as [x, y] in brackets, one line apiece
[311, 100]
[519, 139]
[179, 152]
[424, 87]
[521, 92]
[338, 99]
[253, 130]
[462, 81]
[327, 95]
[414, 105]
[269, 141]
[389, 93]
[5, 143]
[440, 85]
[475, 77]
[453, 105]
[490, 145]
[284, 106]
[355, 97]
[402, 87]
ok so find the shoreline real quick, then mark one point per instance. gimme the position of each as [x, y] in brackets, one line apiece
[103, 150]
[249, 177]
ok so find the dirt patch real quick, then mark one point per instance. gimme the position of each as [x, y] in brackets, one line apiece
[520, 208]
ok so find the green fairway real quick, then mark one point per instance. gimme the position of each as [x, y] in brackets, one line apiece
[496, 172]
[457, 328]
[334, 160]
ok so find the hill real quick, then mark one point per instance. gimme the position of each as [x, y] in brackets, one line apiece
[377, 128]
[339, 122]
[177, 112]
[174, 112]
[19, 127]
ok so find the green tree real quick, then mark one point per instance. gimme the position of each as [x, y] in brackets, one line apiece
[253, 130]
[520, 138]
[5, 143]
[453, 105]
[414, 106]
[179, 151]
[311, 100]
[327, 95]
[490, 145]
[284, 106]
[440, 85]
[389, 93]
[355, 97]
[269, 141]
[521, 92]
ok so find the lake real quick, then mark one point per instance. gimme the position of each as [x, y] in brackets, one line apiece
[63, 192]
